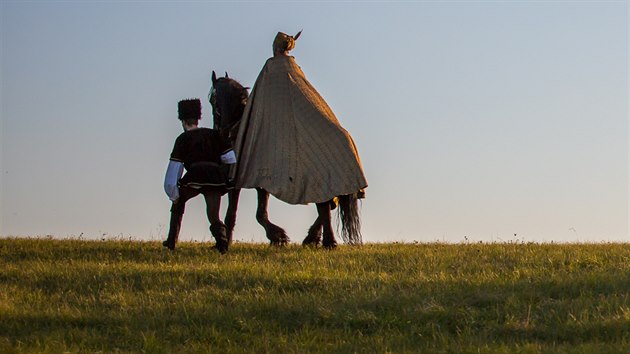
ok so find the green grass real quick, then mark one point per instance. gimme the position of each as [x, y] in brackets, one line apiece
[121, 296]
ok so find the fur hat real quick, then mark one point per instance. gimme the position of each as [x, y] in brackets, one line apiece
[284, 42]
[189, 109]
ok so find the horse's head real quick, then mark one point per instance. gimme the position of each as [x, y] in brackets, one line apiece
[228, 99]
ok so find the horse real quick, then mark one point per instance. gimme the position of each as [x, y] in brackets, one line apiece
[228, 99]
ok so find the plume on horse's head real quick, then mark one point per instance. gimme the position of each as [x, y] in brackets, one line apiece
[228, 98]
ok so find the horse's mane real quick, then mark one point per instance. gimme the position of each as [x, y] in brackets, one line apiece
[234, 85]
[231, 89]
[231, 98]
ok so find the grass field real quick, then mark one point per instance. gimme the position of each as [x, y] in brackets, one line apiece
[123, 296]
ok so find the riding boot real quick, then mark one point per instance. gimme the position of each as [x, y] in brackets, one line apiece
[177, 213]
[219, 231]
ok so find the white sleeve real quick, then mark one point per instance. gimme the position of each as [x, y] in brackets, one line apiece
[229, 158]
[173, 174]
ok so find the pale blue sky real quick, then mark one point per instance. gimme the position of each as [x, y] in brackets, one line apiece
[476, 119]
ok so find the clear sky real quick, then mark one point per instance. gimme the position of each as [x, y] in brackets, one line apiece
[475, 120]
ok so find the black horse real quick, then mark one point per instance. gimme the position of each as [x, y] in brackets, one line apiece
[228, 99]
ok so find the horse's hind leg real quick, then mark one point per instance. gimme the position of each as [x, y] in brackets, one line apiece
[323, 211]
[230, 214]
[314, 235]
[275, 233]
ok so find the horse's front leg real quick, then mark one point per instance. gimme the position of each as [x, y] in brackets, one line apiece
[230, 214]
[323, 212]
[275, 233]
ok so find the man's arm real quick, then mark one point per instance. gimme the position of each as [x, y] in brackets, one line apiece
[228, 157]
[174, 172]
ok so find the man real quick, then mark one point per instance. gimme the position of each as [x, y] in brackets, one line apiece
[290, 143]
[201, 151]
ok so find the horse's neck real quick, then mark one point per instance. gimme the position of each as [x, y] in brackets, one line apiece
[230, 132]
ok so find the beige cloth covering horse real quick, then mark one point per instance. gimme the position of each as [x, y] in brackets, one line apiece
[291, 144]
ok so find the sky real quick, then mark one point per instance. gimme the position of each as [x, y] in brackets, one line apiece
[493, 121]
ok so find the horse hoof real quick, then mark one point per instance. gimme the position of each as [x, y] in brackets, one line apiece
[222, 247]
[312, 240]
[279, 243]
[311, 243]
[169, 245]
[330, 246]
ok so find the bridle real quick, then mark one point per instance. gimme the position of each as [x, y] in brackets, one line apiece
[228, 132]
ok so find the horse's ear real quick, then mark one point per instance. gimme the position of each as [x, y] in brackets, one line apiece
[226, 75]
[214, 77]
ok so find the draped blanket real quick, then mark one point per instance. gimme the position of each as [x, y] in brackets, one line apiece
[291, 144]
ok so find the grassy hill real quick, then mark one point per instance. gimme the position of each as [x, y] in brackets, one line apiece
[122, 296]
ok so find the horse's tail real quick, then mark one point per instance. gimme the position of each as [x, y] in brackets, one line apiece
[350, 219]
